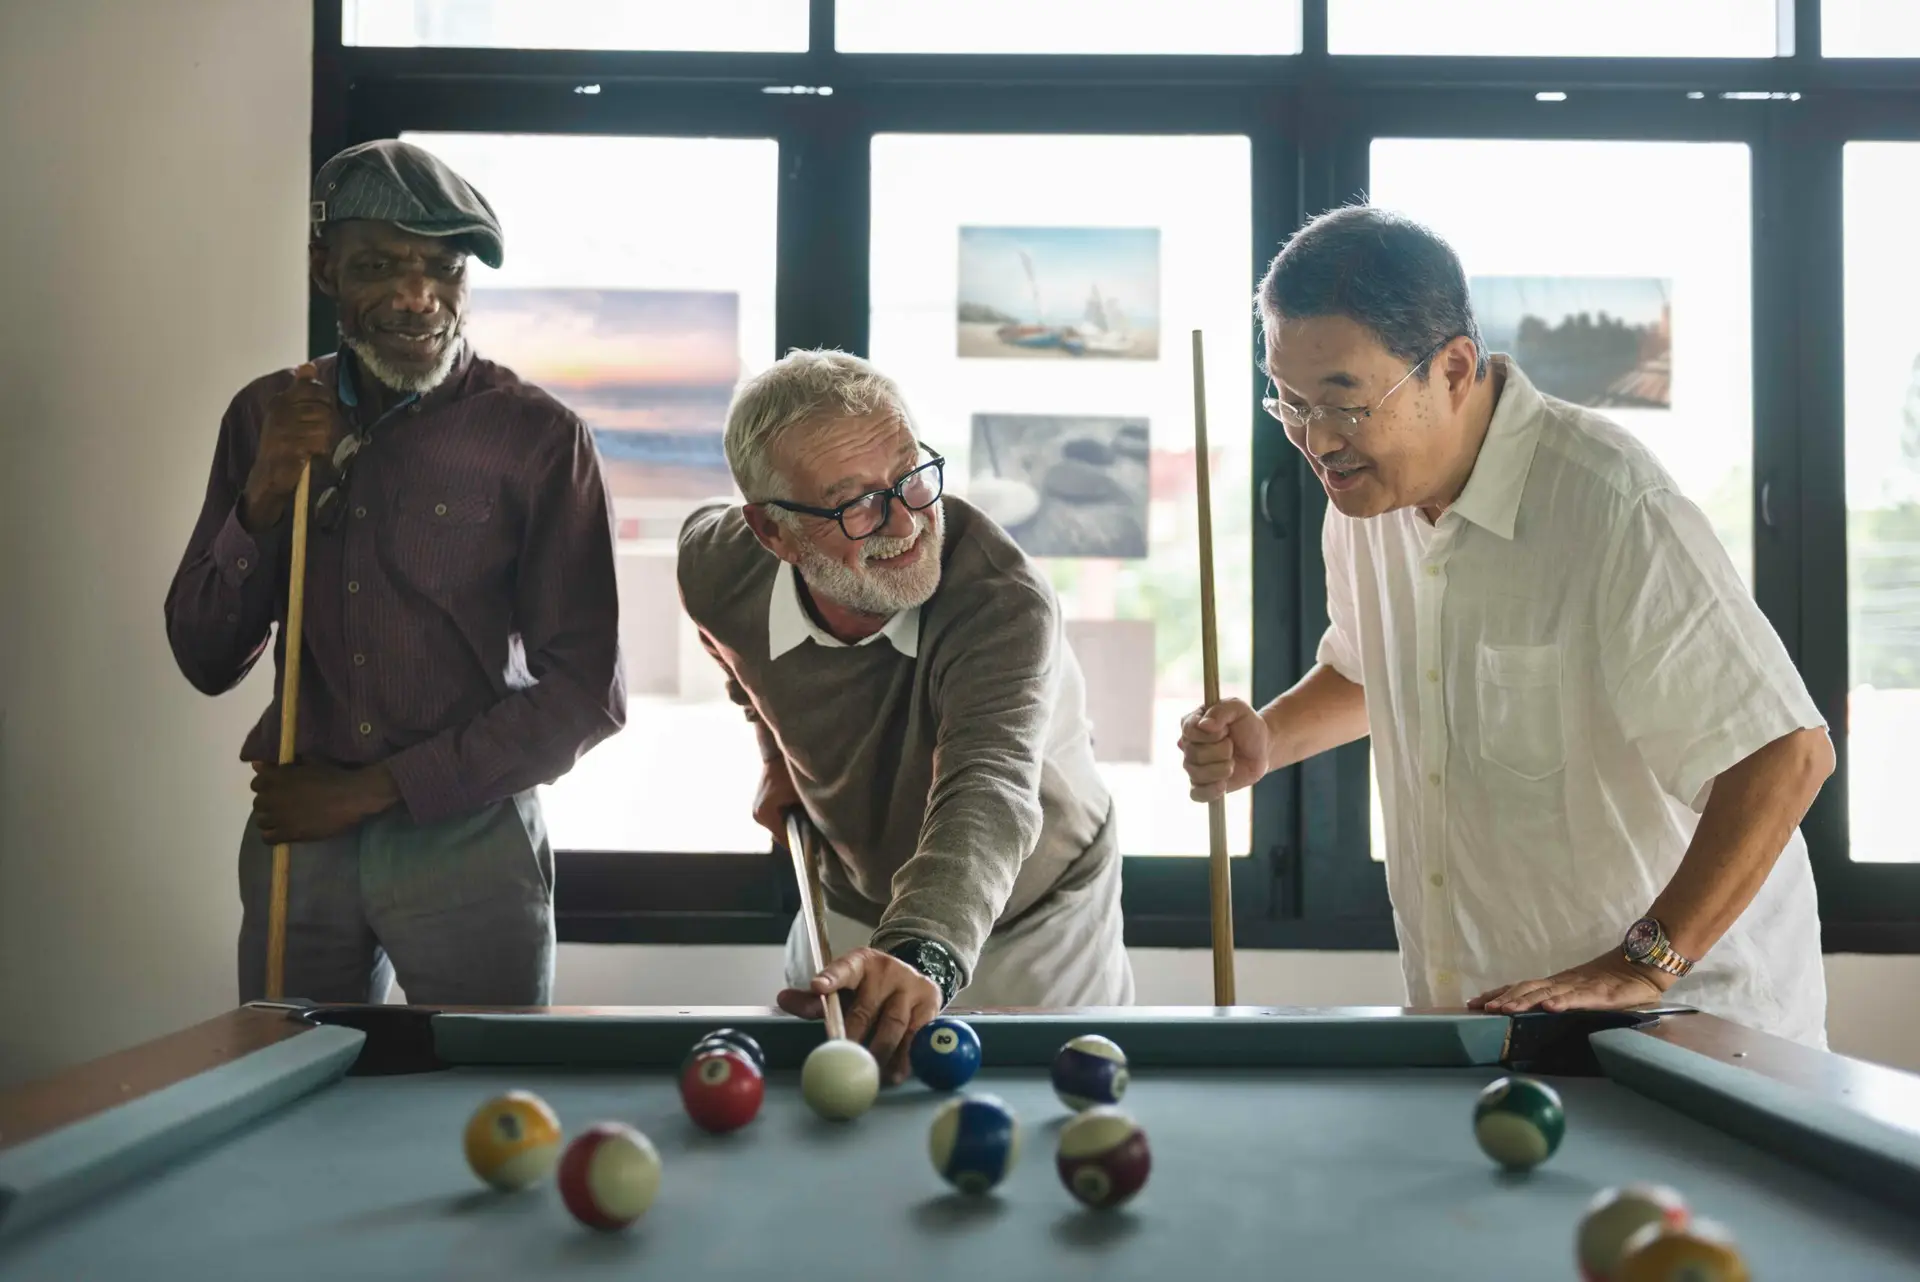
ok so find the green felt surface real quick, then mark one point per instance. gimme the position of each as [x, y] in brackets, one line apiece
[1295, 1173]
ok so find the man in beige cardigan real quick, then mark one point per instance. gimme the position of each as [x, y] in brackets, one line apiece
[906, 668]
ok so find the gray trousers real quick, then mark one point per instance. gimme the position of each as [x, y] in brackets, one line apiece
[461, 911]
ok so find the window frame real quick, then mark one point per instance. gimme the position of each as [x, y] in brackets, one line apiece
[1308, 881]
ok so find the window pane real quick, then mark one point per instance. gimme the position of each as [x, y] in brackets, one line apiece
[642, 323]
[1882, 182]
[1035, 297]
[1870, 29]
[1573, 28]
[754, 26]
[1618, 296]
[1068, 26]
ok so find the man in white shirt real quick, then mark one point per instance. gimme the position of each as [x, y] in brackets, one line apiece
[1593, 751]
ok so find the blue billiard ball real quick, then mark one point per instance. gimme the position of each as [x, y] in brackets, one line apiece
[1088, 1071]
[945, 1053]
[974, 1142]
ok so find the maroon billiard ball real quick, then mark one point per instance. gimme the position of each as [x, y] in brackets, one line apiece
[1103, 1157]
[721, 1089]
[609, 1176]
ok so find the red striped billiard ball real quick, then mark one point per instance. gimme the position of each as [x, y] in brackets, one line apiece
[609, 1176]
[1103, 1157]
[721, 1089]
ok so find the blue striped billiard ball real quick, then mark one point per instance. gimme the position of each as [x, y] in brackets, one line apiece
[974, 1142]
[728, 1039]
[945, 1053]
[1089, 1070]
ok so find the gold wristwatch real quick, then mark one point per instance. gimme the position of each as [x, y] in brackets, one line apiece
[1646, 944]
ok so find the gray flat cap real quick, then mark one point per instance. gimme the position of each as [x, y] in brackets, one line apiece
[396, 182]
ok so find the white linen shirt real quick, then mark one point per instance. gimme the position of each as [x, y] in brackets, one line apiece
[1555, 673]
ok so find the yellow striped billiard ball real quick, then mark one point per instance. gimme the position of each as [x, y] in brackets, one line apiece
[1701, 1252]
[513, 1140]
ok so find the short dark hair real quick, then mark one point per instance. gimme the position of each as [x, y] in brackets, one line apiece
[1382, 270]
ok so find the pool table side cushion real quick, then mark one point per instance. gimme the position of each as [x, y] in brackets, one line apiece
[1822, 1130]
[1167, 1040]
[78, 1162]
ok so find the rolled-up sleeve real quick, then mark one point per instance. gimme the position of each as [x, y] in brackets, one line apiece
[1696, 675]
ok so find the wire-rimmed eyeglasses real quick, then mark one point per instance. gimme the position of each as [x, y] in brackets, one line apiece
[1344, 420]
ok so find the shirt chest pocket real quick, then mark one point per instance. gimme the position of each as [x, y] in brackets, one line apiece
[443, 538]
[1520, 716]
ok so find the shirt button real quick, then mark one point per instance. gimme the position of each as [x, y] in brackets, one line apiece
[233, 618]
[439, 509]
[1432, 675]
[1437, 879]
[1434, 779]
[366, 727]
[414, 408]
[360, 513]
[240, 563]
[354, 586]
[359, 660]
[1433, 572]
[1445, 978]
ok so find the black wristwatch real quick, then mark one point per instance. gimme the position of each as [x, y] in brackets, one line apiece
[932, 960]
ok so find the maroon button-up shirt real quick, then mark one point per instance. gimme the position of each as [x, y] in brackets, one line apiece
[462, 618]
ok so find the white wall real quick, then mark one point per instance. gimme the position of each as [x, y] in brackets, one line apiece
[154, 160]
[153, 164]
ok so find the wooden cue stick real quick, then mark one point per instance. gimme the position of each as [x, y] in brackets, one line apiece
[813, 907]
[289, 730]
[1220, 879]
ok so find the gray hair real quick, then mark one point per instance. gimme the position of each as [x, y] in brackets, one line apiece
[799, 390]
[1382, 270]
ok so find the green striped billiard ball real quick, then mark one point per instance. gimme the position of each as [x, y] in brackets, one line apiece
[1519, 1122]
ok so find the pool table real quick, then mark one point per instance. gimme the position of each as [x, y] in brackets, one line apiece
[324, 1142]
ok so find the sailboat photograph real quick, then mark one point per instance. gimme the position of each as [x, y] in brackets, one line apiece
[1010, 276]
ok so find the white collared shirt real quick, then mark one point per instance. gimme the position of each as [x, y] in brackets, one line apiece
[789, 625]
[1556, 671]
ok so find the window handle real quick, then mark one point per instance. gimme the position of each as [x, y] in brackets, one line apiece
[1274, 520]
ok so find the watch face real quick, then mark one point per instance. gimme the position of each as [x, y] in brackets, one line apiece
[1641, 938]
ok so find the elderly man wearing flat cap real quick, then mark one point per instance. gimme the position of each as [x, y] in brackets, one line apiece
[461, 615]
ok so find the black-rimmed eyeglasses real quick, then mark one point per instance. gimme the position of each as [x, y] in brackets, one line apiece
[866, 516]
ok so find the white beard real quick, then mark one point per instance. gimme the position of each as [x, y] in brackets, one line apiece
[412, 384]
[880, 592]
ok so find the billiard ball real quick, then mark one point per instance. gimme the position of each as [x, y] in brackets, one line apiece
[839, 1079]
[721, 1090]
[609, 1176]
[512, 1140]
[1701, 1252]
[1103, 1157]
[1089, 1070]
[1615, 1215]
[945, 1053]
[1519, 1122]
[974, 1142]
[731, 1037]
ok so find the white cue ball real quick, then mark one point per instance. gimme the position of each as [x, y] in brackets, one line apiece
[840, 1080]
